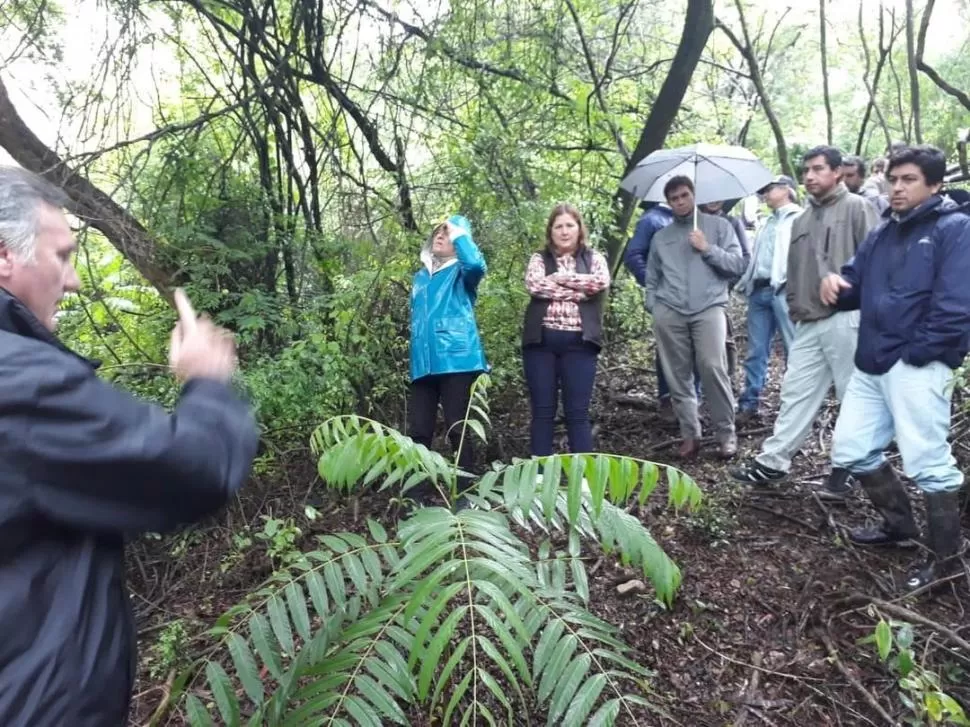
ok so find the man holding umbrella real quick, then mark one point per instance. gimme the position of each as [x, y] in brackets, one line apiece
[691, 264]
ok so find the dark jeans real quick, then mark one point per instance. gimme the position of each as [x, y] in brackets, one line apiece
[453, 391]
[562, 362]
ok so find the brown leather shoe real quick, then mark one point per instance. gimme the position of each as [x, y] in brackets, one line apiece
[728, 447]
[689, 448]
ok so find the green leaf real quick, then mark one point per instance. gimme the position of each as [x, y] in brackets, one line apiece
[430, 658]
[884, 639]
[567, 687]
[361, 711]
[197, 713]
[223, 692]
[651, 475]
[265, 644]
[551, 476]
[574, 492]
[280, 622]
[377, 531]
[557, 665]
[606, 714]
[246, 668]
[376, 695]
[585, 699]
[296, 600]
[579, 579]
[461, 689]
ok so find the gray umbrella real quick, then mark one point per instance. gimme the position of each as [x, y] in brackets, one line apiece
[719, 173]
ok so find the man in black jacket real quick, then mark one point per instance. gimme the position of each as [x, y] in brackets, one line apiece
[82, 466]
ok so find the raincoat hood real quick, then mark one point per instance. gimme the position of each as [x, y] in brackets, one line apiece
[428, 257]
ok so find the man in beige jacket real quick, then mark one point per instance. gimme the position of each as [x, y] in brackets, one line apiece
[823, 239]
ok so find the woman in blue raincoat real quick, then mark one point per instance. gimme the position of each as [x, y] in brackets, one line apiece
[446, 349]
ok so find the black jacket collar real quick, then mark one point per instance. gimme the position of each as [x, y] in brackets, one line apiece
[16, 318]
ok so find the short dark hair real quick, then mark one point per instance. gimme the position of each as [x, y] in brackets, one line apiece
[857, 162]
[833, 157]
[930, 160]
[676, 183]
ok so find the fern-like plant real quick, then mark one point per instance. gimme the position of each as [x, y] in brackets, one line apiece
[475, 617]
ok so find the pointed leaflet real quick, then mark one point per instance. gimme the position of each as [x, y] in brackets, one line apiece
[246, 668]
[265, 645]
[561, 656]
[279, 620]
[445, 676]
[361, 711]
[567, 686]
[546, 646]
[574, 493]
[551, 475]
[460, 690]
[196, 712]
[527, 486]
[222, 692]
[296, 600]
[377, 696]
[651, 473]
[584, 700]
[431, 657]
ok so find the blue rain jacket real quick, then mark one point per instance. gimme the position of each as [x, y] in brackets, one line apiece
[910, 279]
[444, 332]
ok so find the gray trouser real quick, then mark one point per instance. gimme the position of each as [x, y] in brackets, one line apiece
[682, 341]
[821, 355]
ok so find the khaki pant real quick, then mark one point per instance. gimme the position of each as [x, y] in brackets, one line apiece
[701, 338]
[821, 355]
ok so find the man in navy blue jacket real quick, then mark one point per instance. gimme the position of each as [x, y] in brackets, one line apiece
[909, 279]
[83, 466]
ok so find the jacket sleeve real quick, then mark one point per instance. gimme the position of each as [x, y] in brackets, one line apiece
[542, 286]
[864, 221]
[852, 272]
[470, 258]
[947, 323]
[742, 240]
[652, 278]
[724, 253]
[637, 250]
[95, 457]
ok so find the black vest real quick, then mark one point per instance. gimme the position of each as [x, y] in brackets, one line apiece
[590, 310]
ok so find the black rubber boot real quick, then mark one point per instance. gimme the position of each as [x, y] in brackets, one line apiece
[838, 486]
[889, 497]
[944, 539]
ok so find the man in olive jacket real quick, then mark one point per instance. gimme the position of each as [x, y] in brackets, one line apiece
[689, 271]
[84, 465]
[823, 239]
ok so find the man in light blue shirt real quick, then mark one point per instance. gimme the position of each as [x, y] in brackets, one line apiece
[764, 284]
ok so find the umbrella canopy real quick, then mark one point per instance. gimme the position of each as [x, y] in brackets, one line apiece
[719, 173]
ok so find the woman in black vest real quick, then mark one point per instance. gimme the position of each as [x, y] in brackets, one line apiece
[563, 329]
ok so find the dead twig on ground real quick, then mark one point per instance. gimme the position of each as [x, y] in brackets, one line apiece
[856, 684]
[748, 695]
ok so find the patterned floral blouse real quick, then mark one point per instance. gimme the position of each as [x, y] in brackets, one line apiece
[566, 288]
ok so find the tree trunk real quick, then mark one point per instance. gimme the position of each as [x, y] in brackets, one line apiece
[952, 91]
[823, 51]
[911, 61]
[698, 24]
[746, 50]
[89, 203]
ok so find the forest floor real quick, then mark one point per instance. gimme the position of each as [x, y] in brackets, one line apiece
[765, 629]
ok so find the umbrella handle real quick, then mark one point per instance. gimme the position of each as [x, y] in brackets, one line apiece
[695, 215]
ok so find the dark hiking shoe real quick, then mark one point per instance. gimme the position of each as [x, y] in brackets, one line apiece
[689, 448]
[747, 418]
[728, 447]
[838, 486]
[944, 539]
[753, 473]
[888, 496]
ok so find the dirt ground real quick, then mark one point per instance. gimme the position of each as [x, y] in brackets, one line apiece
[766, 626]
